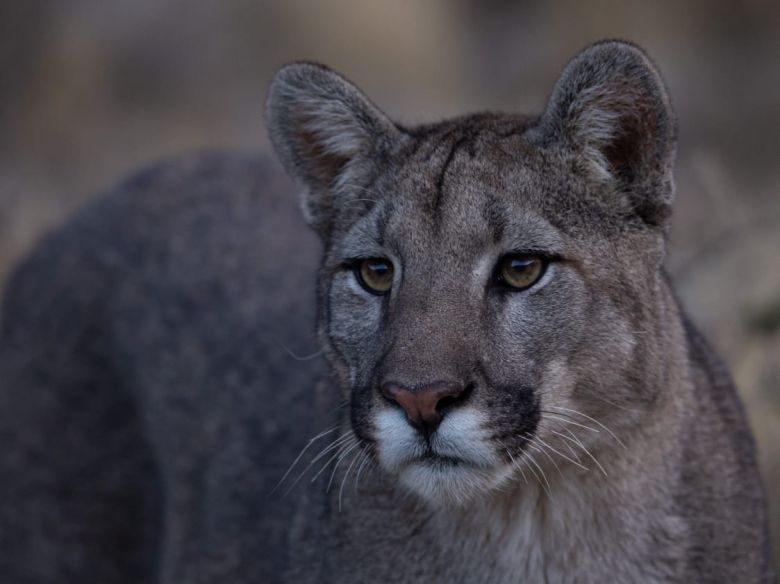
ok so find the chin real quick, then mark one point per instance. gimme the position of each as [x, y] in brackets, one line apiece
[457, 465]
[449, 482]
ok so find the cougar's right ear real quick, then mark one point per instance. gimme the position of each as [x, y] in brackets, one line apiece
[328, 135]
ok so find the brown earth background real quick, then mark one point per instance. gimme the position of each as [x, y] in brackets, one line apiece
[92, 89]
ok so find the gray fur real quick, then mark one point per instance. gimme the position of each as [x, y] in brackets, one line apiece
[601, 439]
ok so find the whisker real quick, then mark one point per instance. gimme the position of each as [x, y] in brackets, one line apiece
[536, 476]
[595, 421]
[302, 452]
[343, 403]
[338, 453]
[614, 404]
[361, 466]
[562, 455]
[567, 416]
[581, 445]
[346, 475]
[515, 464]
[345, 451]
[544, 476]
[335, 444]
[522, 473]
[372, 466]
[568, 445]
[359, 187]
[542, 450]
[300, 357]
[572, 422]
[573, 452]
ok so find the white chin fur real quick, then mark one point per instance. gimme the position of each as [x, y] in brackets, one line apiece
[461, 436]
[443, 484]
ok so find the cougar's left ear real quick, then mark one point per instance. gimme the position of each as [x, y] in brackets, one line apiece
[328, 135]
[611, 107]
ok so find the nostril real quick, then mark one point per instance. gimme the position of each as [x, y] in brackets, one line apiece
[389, 391]
[446, 401]
[453, 397]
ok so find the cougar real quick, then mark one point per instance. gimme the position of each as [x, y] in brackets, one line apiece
[513, 392]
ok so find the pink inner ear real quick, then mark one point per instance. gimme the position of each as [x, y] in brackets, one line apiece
[634, 146]
[321, 164]
[618, 125]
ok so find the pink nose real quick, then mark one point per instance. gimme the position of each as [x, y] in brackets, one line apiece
[424, 406]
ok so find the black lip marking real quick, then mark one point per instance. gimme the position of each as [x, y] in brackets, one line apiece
[430, 458]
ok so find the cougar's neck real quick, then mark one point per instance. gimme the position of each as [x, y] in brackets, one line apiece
[571, 518]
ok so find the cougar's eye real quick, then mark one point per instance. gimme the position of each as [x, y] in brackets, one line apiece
[375, 275]
[520, 271]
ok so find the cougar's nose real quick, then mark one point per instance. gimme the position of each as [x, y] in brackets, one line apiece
[425, 405]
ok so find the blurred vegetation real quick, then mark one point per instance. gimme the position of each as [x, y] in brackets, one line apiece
[91, 89]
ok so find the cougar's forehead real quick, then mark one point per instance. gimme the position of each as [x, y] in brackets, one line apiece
[457, 200]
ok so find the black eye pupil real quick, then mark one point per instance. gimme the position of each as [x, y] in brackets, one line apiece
[381, 268]
[520, 265]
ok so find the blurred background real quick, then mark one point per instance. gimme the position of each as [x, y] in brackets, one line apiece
[92, 89]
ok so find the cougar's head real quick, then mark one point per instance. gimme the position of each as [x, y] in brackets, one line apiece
[491, 289]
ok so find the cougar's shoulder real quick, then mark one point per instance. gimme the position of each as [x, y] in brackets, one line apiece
[717, 442]
[153, 372]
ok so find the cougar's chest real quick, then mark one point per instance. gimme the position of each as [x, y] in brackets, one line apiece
[579, 533]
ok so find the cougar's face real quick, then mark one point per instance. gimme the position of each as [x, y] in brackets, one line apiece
[475, 329]
[489, 292]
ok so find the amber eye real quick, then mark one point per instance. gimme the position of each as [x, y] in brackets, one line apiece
[375, 275]
[520, 271]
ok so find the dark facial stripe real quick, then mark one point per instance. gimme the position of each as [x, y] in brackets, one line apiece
[382, 219]
[438, 201]
[495, 216]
